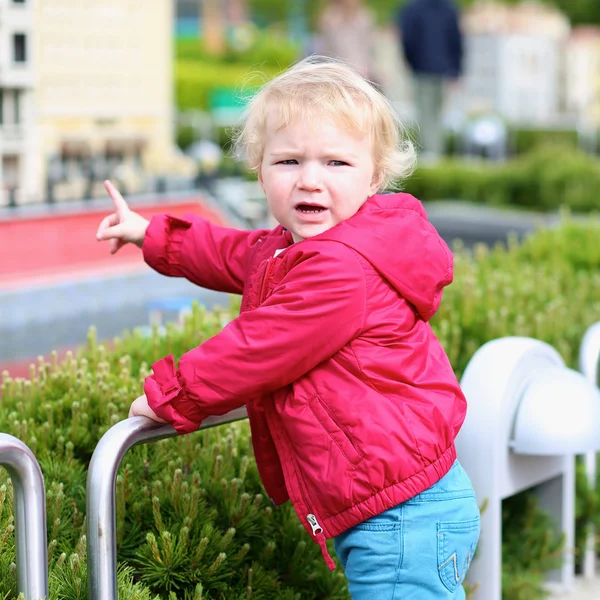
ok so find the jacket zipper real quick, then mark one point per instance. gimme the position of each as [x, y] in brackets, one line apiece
[317, 532]
[312, 520]
[316, 528]
[264, 281]
[244, 304]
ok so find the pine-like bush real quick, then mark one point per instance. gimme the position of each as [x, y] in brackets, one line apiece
[193, 520]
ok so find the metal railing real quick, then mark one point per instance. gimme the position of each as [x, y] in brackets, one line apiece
[589, 366]
[30, 516]
[101, 494]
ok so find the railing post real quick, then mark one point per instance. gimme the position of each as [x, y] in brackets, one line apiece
[589, 365]
[30, 517]
[101, 490]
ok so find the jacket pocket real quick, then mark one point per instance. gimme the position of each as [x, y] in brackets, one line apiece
[456, 544]
[338, 433]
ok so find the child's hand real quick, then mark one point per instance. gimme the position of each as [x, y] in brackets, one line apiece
[140, 408]
[123, 226]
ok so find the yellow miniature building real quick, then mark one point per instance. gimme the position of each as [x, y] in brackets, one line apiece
[99, 99]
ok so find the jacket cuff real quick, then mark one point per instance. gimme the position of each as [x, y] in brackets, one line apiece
[166, 396]
[163, 240]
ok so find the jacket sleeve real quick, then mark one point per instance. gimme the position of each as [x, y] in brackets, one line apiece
[208, 255]
[316, 309]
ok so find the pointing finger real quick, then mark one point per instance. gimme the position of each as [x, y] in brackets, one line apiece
[120, 203]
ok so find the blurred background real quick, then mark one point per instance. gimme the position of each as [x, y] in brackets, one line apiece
[147, 94]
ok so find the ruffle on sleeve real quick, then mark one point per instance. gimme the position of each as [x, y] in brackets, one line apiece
[166, 396]
[162, 244]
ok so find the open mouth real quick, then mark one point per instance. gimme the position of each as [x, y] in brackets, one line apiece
[310, 208]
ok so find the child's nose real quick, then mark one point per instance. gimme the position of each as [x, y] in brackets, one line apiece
[310, 178]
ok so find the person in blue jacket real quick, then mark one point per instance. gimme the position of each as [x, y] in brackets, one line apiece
[432, 43]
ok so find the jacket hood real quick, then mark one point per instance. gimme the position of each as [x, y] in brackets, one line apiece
[391, 231]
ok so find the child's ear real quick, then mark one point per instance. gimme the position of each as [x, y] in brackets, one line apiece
[260, 179]
[375, 183]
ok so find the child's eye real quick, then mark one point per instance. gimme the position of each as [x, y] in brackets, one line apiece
[290, 161]
[338, 163]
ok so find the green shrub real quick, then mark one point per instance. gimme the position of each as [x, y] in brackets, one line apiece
[191, 511]
[545, 179]
[524, 564]
[196, 81]
[199, 75]
[526, 140]
[260, 49]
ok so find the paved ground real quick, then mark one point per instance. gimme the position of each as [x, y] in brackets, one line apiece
[585, 590]
[56, 280]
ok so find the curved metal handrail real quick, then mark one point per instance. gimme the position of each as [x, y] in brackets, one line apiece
[101, 492]
[30, 516]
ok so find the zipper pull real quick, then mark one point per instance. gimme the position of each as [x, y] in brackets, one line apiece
[316, 528]
[320, 539]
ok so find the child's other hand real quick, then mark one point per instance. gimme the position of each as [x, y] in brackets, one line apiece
[123, 226]
[140, 408]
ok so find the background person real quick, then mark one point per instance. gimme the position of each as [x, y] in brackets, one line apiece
[346, 31]
[432, 43]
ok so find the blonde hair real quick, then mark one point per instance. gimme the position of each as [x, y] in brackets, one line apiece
[317, 88]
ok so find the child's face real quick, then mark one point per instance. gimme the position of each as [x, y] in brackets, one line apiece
[315, 175]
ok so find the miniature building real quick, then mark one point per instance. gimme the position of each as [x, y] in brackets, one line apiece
[513, 60]
[17, 139]
[87, 92]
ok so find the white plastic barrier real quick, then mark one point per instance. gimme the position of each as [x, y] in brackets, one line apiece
[528, 416]
[589, 363]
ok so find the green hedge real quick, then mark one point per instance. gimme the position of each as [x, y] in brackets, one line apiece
[193, 521]
[199, 75]
[545, 179]
[268, 49]
[195, 81]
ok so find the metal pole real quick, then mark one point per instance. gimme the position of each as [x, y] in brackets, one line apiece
[30, 516]
[589, 362]
[101, 490]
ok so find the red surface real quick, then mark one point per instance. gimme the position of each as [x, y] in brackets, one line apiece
[20, 368]
[57, 245]
[46, 249]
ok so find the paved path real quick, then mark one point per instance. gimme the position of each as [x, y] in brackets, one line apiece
[585, 590]
[56, 280]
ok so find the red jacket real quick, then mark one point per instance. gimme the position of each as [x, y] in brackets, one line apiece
[352, 402]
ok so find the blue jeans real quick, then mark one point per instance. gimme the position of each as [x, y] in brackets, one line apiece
[418, 550]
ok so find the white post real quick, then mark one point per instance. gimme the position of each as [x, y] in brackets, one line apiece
[589, 360]
[516, 437]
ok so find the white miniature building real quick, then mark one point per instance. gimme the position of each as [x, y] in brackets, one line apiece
[17, 133]
[513, 61]
[582, 75]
